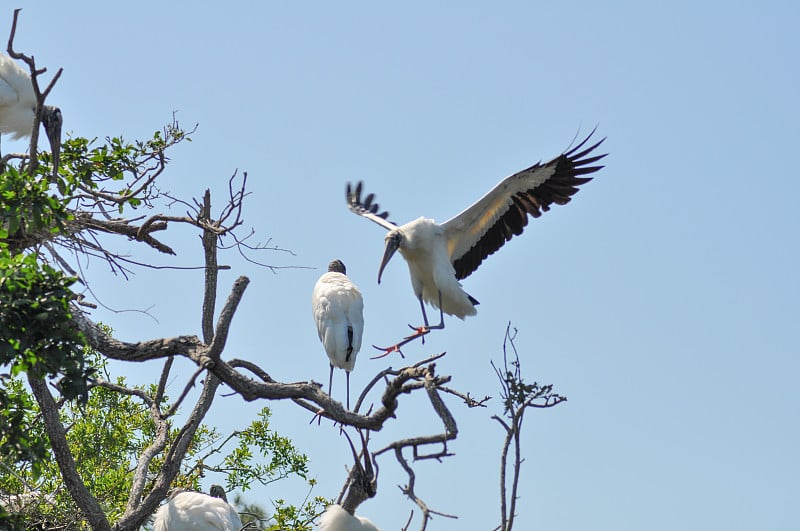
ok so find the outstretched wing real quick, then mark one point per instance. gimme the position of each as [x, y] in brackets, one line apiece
[484, 227]
[367, 208]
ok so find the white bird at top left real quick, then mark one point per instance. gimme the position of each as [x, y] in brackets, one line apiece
[18, 107]
[338, 310]
[197, 511]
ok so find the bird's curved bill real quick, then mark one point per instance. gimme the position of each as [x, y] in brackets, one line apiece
[391, 248]
[52, 126]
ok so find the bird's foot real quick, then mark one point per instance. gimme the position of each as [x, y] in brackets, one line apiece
[318, 417]
[388, 350]
[419, 331]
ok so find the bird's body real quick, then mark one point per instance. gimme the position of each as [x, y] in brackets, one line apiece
[196, 511]
[425, 251]
[18, 106]
[338, 310]
[439, 255]
[335, 518]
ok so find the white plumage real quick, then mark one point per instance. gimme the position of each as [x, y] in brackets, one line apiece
[439, 255]
[338, 309]
[335, 518]
[18, 106]
[196, 511]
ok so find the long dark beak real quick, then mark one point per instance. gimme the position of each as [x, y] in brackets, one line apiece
[52, 122]
[391, 248]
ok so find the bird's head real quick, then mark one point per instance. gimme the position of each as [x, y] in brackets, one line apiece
[52, 122]
[217, 491]
[337, 266]
[394, 240]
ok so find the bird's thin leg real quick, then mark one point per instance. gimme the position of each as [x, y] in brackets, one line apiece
[440, 326]
[318, 415]
[422, 307]
[419, 331]
[348, 389]
[425, 317]
[422, 330]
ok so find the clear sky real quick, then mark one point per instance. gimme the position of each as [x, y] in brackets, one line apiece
[663, 300]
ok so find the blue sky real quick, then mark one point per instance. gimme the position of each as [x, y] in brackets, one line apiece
[663, 301]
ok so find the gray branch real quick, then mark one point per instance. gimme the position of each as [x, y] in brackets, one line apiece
[66, 464]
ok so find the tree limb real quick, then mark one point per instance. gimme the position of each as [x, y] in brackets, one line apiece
[55, 431]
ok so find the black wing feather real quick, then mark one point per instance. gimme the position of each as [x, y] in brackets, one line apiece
[558, 188]
[367, 206]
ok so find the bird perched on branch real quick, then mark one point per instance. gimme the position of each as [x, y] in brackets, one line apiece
[196, 511]
[338, 309]
[18, 107]
[439, 255]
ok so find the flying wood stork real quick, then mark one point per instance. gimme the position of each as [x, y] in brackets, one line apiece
[18, 107]
[335, 518]
[439, 255]
[196, 511]
[338, 309]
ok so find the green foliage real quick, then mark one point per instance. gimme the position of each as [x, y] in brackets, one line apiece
[96, 169]
[285, 460]
[106, 430]
[17, 414]
[28, 208]
[105, 434]
[11, 522]
[293, 518]
[36, 328]
[285, 517]
[109, 432]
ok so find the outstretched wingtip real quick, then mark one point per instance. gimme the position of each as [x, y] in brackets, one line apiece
[571, 152]
[367, 208]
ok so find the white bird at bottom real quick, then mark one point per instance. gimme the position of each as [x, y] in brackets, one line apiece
[197, 511]
[335, 518]
[338, 310]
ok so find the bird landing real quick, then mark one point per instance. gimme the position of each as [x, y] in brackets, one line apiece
[439, 255]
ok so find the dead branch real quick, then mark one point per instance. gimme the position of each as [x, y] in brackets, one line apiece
[362, 480]
[432, 383]
[517, 398]
[33, 161]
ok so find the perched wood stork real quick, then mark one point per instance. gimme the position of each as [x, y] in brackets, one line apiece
[196, 511]
[18, 107]
[335, 518]
[439, 255]
[338, 309]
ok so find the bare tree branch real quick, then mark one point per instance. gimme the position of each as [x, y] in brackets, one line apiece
[517, 397]
[40, 96]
